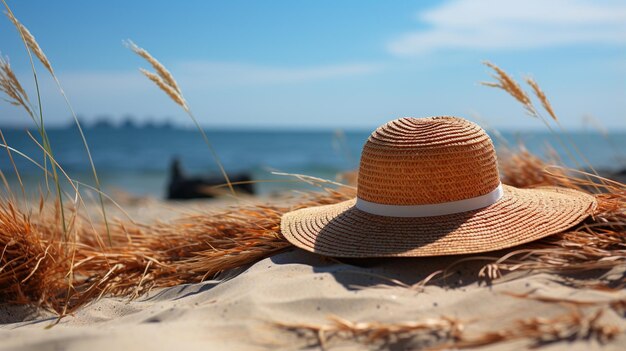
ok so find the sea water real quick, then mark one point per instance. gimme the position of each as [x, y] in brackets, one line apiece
[137, 160]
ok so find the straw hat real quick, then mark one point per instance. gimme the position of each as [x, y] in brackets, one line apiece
[430, 187]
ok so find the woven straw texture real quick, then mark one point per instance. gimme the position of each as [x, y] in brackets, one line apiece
[413, 161]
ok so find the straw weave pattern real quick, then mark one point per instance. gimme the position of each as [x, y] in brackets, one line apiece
[417, 161]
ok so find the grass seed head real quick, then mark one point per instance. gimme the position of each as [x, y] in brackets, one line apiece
[509, 85]
[542, 97]
[11, 87]
[168, 89]
[162, 72]
[30, 41]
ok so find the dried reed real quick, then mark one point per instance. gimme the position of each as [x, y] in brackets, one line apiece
[615, 303]
[11, 87]
[31, 43]
[542, 98]
[30, 267]
[32, 47]
[575, 325]
[17, 96]
[165, 81]
[168, 89]
[442, 328]
[509, 85]
[162, 72]
[449, 333]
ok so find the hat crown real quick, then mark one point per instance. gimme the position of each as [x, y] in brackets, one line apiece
[420, 161]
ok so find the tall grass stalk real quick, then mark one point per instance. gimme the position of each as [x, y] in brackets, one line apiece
[93, 167]
[17, 96]
[77, 197]
[30, 159]
[34, 46]
[508, 84]
[42, 130]
[166, 82]
[73, 183]
[548, 107]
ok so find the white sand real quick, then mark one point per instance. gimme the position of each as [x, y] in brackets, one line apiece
[298, 287]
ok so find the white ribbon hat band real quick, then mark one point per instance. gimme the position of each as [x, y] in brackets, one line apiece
[441, 209]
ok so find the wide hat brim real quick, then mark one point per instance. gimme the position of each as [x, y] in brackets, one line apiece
[520, 216]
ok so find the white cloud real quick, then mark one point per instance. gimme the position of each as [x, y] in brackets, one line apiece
[513, 25]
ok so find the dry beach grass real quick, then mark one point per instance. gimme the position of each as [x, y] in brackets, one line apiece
[144, 256]
[53, 254]
[572, 325]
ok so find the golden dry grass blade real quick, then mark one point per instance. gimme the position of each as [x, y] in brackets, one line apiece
[566, 301]
[542, 97]
[30, 41]
[167, 89]
[11, 87]
[449, 333]
[162, 72]
[442, 329]
[31, 46]
[508, 84]
[575, 325]
[166, 82]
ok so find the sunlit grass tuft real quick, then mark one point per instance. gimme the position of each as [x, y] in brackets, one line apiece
[32, 46]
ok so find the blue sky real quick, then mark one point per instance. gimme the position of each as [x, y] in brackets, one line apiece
[318, 64]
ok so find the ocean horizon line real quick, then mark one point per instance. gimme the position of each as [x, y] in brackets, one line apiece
[284, 128]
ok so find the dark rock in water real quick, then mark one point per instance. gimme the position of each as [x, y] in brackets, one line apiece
[181, 187]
